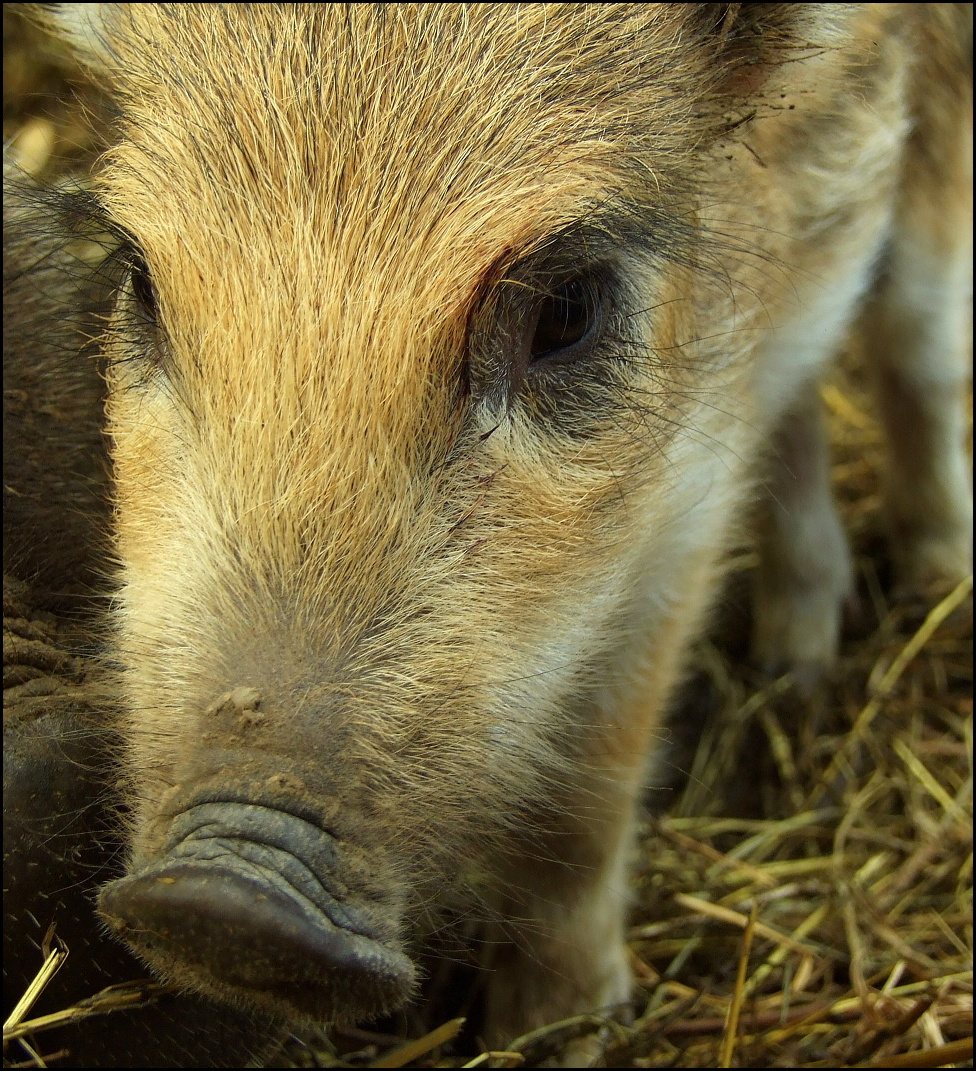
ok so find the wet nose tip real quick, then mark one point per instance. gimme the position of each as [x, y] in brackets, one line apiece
[241, 937]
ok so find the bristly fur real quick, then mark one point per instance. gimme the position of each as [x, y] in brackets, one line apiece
[463, 586]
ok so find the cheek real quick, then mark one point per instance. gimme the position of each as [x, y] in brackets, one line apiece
[146, 464]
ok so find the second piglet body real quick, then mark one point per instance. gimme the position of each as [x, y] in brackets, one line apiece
[449, 343]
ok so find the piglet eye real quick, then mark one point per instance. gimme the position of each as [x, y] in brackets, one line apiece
[565, 318]
[144, 290]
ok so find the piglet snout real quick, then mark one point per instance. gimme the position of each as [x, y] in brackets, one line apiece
[252, 898]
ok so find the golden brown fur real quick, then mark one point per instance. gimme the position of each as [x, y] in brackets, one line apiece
[466, 592]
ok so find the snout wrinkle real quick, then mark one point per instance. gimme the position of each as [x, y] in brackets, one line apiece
[244, 902]
[282, 848]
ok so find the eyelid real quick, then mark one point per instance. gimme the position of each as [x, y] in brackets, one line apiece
[546, 275]
[130, 252]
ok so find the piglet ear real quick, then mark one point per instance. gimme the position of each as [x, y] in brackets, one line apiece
[82, 27]
[748, 41]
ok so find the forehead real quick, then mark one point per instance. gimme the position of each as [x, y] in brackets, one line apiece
[462, 130]
[321, 192]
